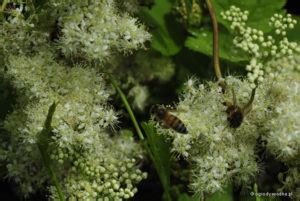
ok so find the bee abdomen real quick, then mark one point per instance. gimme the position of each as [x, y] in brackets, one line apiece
[177, 124]
[180, 128]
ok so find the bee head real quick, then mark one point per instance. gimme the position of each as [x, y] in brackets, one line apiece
[158, 111]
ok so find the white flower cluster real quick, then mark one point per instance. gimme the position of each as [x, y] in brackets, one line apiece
[282, 23]
[284, 127]
[291, 182]
[17, 34]
[95, 30]
[261, 48]
[220, 153]
[90, 163]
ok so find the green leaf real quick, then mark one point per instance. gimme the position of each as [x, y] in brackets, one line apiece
[44, 138]
[202, 41]
[163, 35]
[160, 154]
[225, 195]
[293, 35]
[260, 11]
[44, 135]
[186, 197]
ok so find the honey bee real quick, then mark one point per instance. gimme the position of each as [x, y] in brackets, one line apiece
[236, 113]
[56, 31]
[167, 119]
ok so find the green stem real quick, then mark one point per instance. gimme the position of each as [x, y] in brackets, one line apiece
[128, 108]
[248, 106]
[51, 172]
[3, 6]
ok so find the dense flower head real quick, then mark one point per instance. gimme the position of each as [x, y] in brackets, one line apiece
[98, 33]
[220, 153]
[291, 182]
[284, 127]
[18, 34]
[262, 48]
[282, 23]
[81, 145]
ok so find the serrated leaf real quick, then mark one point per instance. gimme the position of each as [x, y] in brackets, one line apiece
[163, 34]
[225, 195]
[160, 154]
[202, 41]
[260, 11]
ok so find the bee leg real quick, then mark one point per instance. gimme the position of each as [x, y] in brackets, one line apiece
[164, 125]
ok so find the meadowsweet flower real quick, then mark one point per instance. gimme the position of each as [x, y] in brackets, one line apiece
[261, 48]
[18, 35]
[88, 161]
[284, 127]
[99, 32]
[220, 153]
[291, 182]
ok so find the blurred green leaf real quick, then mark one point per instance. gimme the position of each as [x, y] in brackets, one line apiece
[186, 197]
[163, 34]
[202, 41]
[160, 154]
[293, 35]
[260, 11]
[225, 195]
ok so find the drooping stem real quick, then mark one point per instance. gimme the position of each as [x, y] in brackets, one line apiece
[248, 106]
[128, 108]
[217, 67]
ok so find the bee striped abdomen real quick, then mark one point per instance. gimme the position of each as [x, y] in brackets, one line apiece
[176, 124]
[168, 120]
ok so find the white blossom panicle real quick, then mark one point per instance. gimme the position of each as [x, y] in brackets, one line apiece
[90, 163]
[96, 30]
[284, 127]
[18, 35]
[282, 23]
[220, 153]
[261, 48]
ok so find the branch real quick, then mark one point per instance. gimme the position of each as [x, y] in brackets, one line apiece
[3, 6]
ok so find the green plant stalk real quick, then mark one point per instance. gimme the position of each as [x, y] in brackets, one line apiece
[129, 110]
[3, 6]
[256, 190]
[53, 177]
[216, 59]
